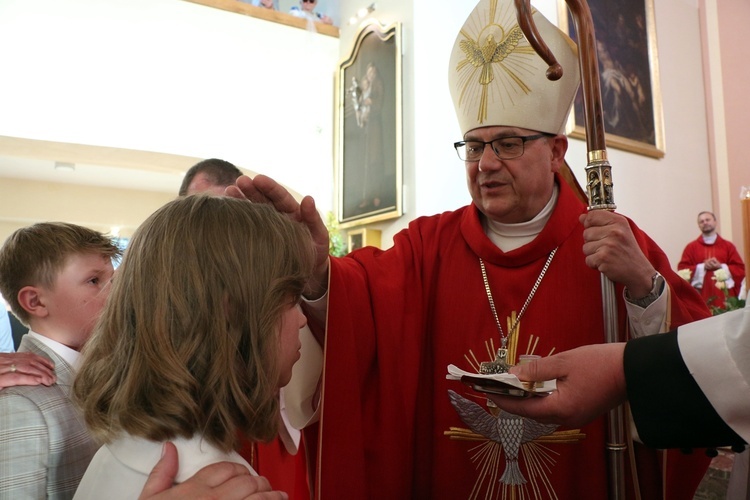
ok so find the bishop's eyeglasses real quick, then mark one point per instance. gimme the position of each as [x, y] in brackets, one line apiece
[505, 148]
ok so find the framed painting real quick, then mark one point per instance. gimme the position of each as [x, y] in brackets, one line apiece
[364, 237]
[629, 75]
[368, 128]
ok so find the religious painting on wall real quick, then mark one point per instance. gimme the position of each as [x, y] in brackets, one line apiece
[628, 73]
[363, 237]
[368, 125]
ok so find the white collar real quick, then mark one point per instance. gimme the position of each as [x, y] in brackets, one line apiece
[710, 240]
[508, 237]
[195, 453]
[71, 356]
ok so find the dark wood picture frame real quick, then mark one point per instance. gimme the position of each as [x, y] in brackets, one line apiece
[368, 128]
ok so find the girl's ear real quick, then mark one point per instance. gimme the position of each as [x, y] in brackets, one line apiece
[31, 298]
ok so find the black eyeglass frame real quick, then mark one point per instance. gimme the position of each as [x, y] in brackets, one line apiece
[524, 140]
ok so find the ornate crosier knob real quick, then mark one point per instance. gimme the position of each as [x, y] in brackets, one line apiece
[599, 183]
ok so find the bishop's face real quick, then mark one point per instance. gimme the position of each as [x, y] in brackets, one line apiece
[515, 190]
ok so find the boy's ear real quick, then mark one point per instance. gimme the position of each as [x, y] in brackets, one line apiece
[32, 300]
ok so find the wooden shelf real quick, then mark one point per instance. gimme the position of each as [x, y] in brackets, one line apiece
[269, 15]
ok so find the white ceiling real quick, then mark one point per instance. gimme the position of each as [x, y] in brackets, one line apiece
[34, 169]
[35, 160]
[94, 165]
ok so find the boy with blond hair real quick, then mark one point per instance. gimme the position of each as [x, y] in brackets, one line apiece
[56, 278]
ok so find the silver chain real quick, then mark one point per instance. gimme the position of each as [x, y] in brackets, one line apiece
[504, 337]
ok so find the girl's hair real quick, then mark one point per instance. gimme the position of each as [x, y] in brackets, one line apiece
[188, 341]
[35, 255]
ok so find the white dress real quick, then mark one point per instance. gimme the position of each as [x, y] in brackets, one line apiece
[119, 469]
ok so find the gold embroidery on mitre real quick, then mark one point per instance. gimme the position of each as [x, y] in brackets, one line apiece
[499, 435]
[498, 42]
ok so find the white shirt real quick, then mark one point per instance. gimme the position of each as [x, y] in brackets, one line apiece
[6, 333]
[71, 356]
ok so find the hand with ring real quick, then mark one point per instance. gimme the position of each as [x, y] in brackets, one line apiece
[25, 368]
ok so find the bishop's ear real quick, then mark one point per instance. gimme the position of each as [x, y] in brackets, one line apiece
[31, 298]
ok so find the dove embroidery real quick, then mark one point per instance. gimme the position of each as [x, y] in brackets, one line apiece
[490, 52]
[510, 431]
[484, 56]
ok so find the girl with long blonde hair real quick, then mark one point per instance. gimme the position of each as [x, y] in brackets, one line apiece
[199, 333]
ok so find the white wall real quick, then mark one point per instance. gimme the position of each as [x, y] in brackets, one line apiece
[176, 77]
[662, 196]
[173, 77]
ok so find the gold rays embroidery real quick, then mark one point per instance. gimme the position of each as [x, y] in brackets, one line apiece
[512, 345]
[538, 458]
[483, 52]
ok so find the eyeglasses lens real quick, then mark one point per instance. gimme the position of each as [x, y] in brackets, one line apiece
[505, 148]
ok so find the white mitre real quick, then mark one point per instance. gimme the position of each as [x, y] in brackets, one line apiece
[496, 78]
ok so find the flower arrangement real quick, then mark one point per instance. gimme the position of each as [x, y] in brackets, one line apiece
[685, 274]
[721, 276]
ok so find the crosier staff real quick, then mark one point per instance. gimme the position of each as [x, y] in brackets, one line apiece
[599, 188]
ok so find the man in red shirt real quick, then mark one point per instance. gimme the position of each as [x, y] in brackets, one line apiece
[706, 256]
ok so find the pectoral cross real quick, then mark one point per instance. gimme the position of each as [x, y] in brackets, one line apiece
[499, 364]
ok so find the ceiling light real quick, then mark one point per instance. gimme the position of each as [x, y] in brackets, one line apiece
[361, 13]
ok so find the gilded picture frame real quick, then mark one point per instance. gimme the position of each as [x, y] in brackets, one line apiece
[629, 75]
[369, 128]
[363, 237]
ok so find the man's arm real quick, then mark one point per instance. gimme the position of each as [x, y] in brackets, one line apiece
[590, 381]
[611, 247]
[223, 480]
[736, 267]
[668, 407]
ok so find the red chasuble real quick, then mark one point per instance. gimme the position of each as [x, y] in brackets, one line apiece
[284, 471]
[697, 251]
[398, 318]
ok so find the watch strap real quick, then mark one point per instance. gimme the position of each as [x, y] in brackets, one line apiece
[657, 287]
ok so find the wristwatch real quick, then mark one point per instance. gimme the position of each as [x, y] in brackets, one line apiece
[657, 286]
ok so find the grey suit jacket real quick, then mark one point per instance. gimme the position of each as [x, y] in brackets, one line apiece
[44, 444]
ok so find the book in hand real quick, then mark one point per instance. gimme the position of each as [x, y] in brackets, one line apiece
[503, 384]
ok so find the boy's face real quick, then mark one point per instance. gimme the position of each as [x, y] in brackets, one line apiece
[292, 320]
[76, 298]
